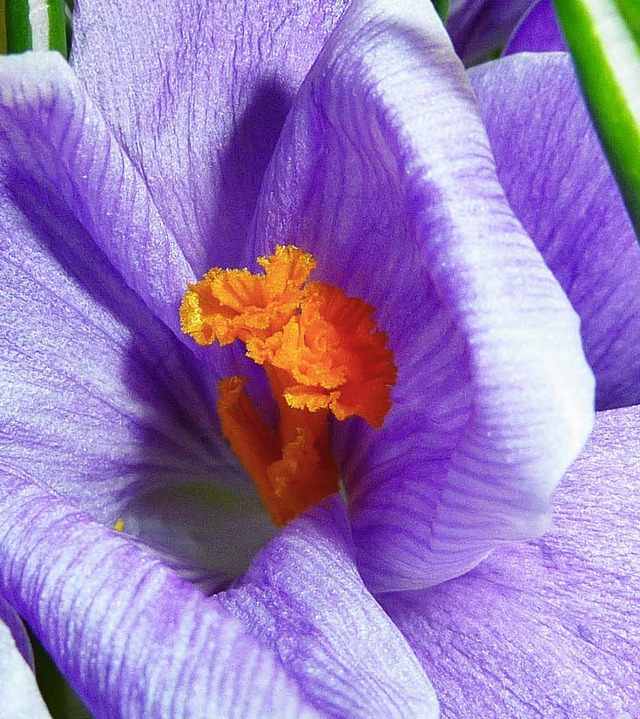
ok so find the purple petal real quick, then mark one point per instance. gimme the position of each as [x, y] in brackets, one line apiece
[19, 695]
[384, 173]
[538, 32]
[346, 641]
[551, 628]
[136, 640]
[133, 639]
[480, 28]
[100, 401]
[561, 188]
[56, 148]
[197, 91]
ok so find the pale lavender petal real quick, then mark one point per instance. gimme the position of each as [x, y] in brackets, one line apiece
[100, 401]
[20, 638]
[560, 186]
[537, 32]
[384, 172]
[197, 91]
[19, 694]
[550, 628]
[57, 151]
[137, 641]
[480, 28]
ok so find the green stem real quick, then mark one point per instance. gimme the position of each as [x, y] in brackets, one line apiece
[442, 6]
[36, 25]
[57, 26]
[61, 700]
[19, 36]
[3, 29]
[50, 681]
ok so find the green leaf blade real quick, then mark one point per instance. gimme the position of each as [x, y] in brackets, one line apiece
[604, 39]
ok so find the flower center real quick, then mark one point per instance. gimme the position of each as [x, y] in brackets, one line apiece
[322, 353]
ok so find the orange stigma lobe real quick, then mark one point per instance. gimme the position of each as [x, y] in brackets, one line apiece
[322, 353]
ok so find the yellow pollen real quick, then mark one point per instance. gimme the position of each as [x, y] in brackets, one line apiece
[119, 525]
[322, 353]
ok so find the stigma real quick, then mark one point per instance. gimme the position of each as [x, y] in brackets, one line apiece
[323, 355]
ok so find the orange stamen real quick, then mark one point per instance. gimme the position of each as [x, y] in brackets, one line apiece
[322, 353]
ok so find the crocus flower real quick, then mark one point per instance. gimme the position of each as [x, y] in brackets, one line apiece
[164, 152]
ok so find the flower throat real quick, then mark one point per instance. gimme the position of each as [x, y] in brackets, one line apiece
[322, 353]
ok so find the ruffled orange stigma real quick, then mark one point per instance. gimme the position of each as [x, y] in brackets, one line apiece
[322, 353]
[235, 304]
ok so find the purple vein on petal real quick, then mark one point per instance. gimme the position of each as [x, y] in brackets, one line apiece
[213, 84]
